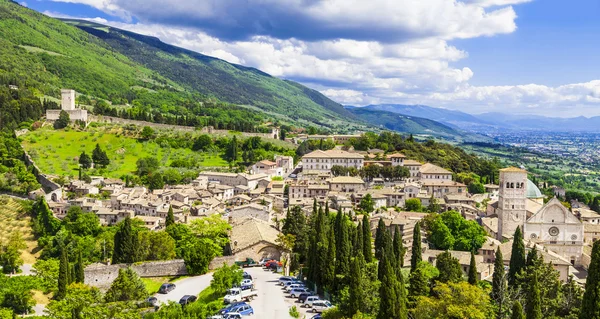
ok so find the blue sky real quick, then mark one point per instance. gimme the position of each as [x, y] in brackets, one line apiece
[519, 56]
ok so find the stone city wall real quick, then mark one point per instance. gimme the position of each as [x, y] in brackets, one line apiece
[102, 276]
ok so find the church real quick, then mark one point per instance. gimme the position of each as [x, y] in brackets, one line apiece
[67, 104]
[552, 225]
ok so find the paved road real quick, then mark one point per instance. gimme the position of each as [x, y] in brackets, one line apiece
[186, 286]
[270, 302]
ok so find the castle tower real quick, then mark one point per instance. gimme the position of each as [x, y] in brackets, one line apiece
[68, 99]
[512, 201]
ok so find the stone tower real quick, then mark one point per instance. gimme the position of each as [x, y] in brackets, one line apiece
[68, 99]
[512, 201]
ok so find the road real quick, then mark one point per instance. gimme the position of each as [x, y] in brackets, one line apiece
[186, 286]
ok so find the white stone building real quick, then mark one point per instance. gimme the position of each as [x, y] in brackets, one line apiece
[322, 161]
[68, 105]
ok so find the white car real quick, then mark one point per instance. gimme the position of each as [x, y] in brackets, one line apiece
[295, 293]
[310, 300]
[247, 282]
[293, 286]
[284, 279]
[321, 305]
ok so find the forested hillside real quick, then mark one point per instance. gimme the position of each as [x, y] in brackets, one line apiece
[214, 77]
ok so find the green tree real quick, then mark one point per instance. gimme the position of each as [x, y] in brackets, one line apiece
[225, 277]
[125, 243]
[380, 239]
[81, 301]
[473, 270]
[413, 205]
[440, 235]
[533, 309]
[202, 143]
[44, 222]
[155, 245]
[416, 254]
[342, 245]
[476, 188]
[357, 295]
[63, 275]
[155, 181]
[499, 288]
[81, 223]
[79, 273]
[147, 133]
[99, 157]
[367, 237]
[232, 150]
[85, 161]
[295, 224]
[63, 120]
[399, 249]
[433, 206]
[517, 311]
[147, 165]
[366, 204]
[10, 254]
[454, 300]
[47, 272]
[126, 287]
[449, 268]
[590, 308]
[170, 220]
[419, 282]
[329, 270]
[517, 258]
[388, 296]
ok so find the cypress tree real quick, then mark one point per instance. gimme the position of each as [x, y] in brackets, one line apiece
[358, 242]
[313, 240]
[379, 239]
[473, 271]
[499, 283]
[356, 291]
[418, 285]
[534, 303]
[517, 257]
[398, 248]
[532, 257]
[79, 272]
[329, 267]
[590, 306]
[387, 253]
[449, 268]
[125, 244]
[401, 307]
[517, 311]
[387, 291]
[416, 256]
[321, 248]
[342, 245]
[63, 275]
[366, 235]
[170, 220]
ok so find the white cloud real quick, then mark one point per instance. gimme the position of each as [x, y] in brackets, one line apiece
[367, 52]
[23, 3]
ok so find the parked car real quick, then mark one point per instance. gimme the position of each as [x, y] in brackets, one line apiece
[291, 282]
[166, 288]
[263, 261]
[316, 316]
[302, 297]
[230, 306]
[247, 282]
[248, 262]
[308, 302]
[232, 315]
[273, 266]
[238, 294]
[284, 279]
[187, 299]
[271, 261]
[321, 305]
[246, 275]
[293, 286]
[244, 310]
[152, 301]
[295, 293]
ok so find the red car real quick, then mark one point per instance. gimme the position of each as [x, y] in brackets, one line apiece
[273, 263]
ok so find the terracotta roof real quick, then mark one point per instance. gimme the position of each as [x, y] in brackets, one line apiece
[433, 169]
[442, 183]
[412, 163]
[513, 169]
[395, 155]
[332, 154]
[346, 180]
[268, 163]
[250, 232]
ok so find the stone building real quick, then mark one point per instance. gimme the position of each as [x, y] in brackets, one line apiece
[68, 105]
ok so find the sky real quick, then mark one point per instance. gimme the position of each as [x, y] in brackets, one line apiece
[477, 56]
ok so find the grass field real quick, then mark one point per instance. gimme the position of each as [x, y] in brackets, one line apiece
[13, 218]
[57, 152]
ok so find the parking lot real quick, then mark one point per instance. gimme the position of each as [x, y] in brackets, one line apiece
[271, 302]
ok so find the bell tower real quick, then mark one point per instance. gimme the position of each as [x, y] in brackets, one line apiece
[512, 201]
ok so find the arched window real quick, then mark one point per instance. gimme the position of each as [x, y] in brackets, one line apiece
[507, 185]
[522, 185]
[512, 185]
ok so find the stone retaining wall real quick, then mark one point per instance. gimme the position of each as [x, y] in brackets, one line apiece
[102, 276]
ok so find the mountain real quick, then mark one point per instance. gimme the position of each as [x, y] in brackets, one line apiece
[44, 54]
[412, 124]
[452, 118]
[542, 123]
[214, 77]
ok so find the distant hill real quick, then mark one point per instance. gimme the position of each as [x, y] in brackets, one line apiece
[412, 124]
[452, 118]
[214, 77]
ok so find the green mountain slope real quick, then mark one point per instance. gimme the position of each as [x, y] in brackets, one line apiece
[214, 77]
[412, 124]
